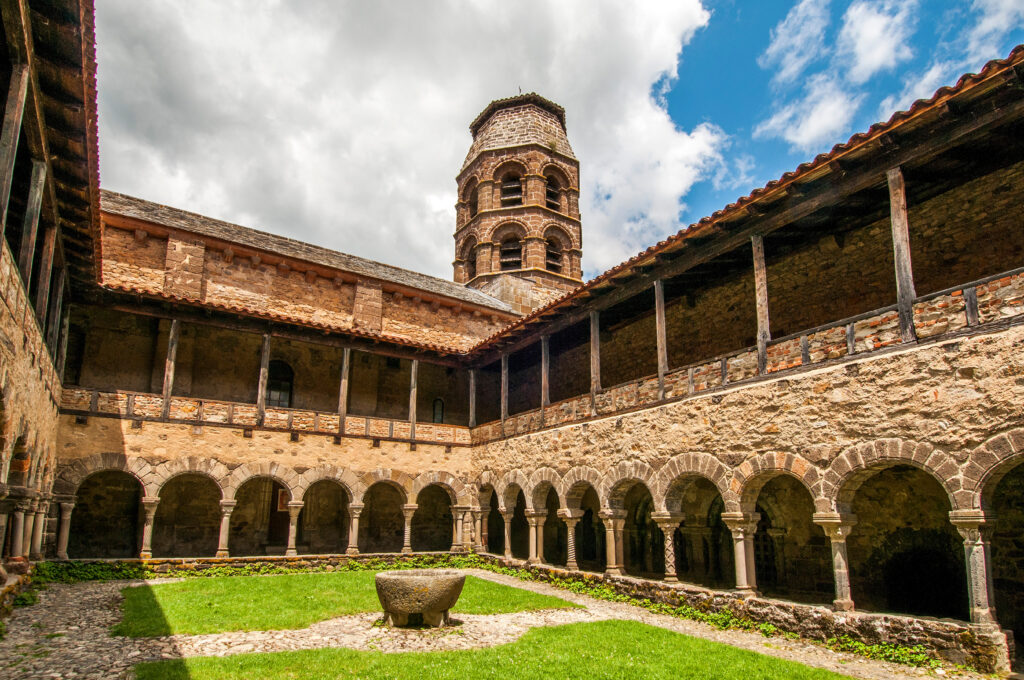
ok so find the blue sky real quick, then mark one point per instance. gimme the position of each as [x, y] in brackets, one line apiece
[940, 40]
[344, 122]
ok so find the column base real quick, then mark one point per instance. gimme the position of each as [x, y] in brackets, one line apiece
[35, 557]
[533, 560]
[479, 549]
[457, 549]
[746, 593]
[406, 550]
[146, 555]
[63, 557]
[291, 553]
[222, 553]
[352, 551]
[507, 555]
[613, 571]
[842, 605]
[572, 566]
[670, 578]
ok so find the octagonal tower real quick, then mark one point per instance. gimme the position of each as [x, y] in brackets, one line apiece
[517, 224]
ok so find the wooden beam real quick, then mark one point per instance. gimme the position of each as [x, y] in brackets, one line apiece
[169, 364]
[52, 316]
[761, 297]
[413, 374]
[30, 225]
[852, 182]
[901, 251]
[661, 335]
[14, 109]
[62, 343]
[545, 368]
[472, 397]
[346, 361]
[595, 353]
[261, 386]
[504, 387]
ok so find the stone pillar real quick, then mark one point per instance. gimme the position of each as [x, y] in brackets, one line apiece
[532, 518]
[468, 527]
[30, 522]
[5, 510]
[743, 525]
[149, 504]
[408, 510]
[36, 553]
[294, 508]
[541, 521]
[485, 516]
[571, 519]
[354, 510]
[668, 522]
[17, 531]
[507, 516]
[63, 529]
[458, 522]
[837, 527]
[972, 525]
[613, 523]
[479, 544]
[226, 508]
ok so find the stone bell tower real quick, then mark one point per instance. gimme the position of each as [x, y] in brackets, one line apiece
[517, 224]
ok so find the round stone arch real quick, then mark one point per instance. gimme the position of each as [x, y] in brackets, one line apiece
[575, 483]
[509, 166]
[618, 480]
[537, 490]
[73, 473]
[505, 229]
[988, 464]
[752, 474]
[559, 173]
[207, 467]
[457, 492]
[469, 185]
[859, 463]
[286, 477]
[667, 488]
[401, 481]
[344, 477]
[509, 487]
[485, 485]
[558, 233]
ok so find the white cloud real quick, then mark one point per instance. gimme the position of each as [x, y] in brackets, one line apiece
[797, 40]
[918, 86]
[996, 18]
[817, 118]
[875, 36]
[344, 123]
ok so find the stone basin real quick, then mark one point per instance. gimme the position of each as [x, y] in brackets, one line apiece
[429, 593]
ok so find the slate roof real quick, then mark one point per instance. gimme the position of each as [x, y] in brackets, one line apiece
[174, 218]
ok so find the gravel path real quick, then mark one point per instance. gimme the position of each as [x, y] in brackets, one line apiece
[66, 635]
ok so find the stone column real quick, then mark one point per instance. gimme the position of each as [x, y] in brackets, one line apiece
[30, 522]
[149, 505]
[478, 539]
[668, 522]
[837, 527]
[17, 531]
[614, 520]
[458, 522]
[226, 508]
[294, 508]
[571, 519]
[743, 525]
[408, 510]
[507, 516]
[972, 525]
[5, 510]
[468, 527]
[36, 553]
[532, 518]
[63, 529]
[354, 510]
[541, 521]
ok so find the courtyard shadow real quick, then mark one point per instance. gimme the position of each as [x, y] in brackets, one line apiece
[142, 618]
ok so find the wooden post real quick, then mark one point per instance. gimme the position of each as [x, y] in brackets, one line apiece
[412, 398]
[62, 342]
[53, 315]
[545, 368]
[261, 389]
[472, 397]
[13, 112]
[662, 338]
[504, 387]
[172, 357]
[595, 353]
[30, 226]
[901, 253]
[764, 333]
[346, 359]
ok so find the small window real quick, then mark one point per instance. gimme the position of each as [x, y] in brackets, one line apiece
[511, 253]
[553, 193]
[473, 204]
[553, 256]
[511, 190]
[438, 416]
[470, 265]
[279, 384]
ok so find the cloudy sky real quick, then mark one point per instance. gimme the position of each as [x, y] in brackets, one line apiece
[343, 123]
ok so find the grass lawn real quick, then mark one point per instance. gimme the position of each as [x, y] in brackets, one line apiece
[217, 605]
[606, 649]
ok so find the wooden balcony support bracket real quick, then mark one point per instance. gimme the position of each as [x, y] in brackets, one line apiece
[901, 252]
[504, 386]
[764, 334]
[169, 363]
[413, 375]
[472, 397]
[346, 361]
[662, 337]
[261, 389]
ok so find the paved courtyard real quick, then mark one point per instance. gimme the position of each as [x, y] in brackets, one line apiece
[66, 635]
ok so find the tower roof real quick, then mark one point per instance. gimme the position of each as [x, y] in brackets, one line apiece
[519, 121]
[518, 100]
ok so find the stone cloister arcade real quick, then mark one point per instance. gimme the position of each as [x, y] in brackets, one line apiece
[886, 525]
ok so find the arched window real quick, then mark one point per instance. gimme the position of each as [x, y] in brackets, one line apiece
[471, 199]
[553, 193]
[438, 410]
[469, 259]
[511, 253]
[553, 256]
[511, 190]
[280, 377]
